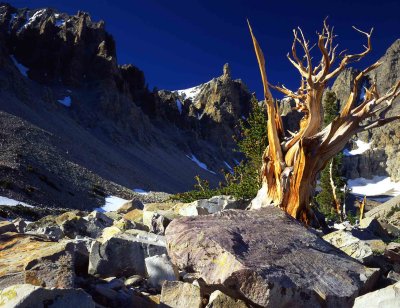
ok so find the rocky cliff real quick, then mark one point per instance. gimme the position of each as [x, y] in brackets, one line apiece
[77, 126]
[381, 157]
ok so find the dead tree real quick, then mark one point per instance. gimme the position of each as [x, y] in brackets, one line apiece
[291, 165]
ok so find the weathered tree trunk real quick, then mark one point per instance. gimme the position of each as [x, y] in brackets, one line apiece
[291, 165]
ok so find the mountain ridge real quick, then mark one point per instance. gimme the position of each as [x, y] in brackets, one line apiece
[113, 130]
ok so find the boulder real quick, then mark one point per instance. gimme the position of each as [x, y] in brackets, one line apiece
[166, 209]
[193, 209]
[374, 226]
[134, 215]
[52, 269]
[70, 223]
[221, 300]
[392, 252]
[353, 245]
[266, 258]
[7, 226]
[76, 226]
[108, 233]
[125, 224]
[160, 269]
[222, 202]
[36, 260]
[393, 276]
[386, 297]
[20, 224]
[176, 294]
[96, 222]
[134, 280]
[152, 244]
[26, 295]
[382, 210]
[159, 223]
[130, 206]
[116, 257]
[210, 206]
[123, 254]
[53, 232]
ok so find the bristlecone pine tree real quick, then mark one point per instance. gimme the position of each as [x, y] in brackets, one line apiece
[290, 166]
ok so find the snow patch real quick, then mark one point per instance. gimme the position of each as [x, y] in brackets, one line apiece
[140, 191]
[113, 203]
[190, 93]
[361, 148]
[230, 169]
[22, 69]
[179, 105]
[377, 186]
[59, 20]
[199, 163]
[34, 18]
[66, 101]
[12, 202]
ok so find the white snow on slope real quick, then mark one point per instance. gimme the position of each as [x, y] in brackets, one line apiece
[12, 202]
[22, 69]
[34, 17]
[361, 148]
[199, 163]
[190, 93]
[59, 20]
[230, 169]
[113, 203]
[378, 185]
[66, 101]
[140, 191]
[179, 105]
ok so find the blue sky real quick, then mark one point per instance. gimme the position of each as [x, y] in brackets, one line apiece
[179, 44]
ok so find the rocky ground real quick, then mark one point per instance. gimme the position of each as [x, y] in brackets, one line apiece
[208, 253]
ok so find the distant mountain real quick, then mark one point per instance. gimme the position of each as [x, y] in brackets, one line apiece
[76, 126]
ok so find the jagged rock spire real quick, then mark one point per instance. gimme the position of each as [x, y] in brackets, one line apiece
[226, 71]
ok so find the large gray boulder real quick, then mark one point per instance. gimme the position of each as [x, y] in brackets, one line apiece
[7, 226]
[357, 244]
[29, 296]
[33, 259]
[160, 269]
[221, 300]
[384, 298]
[266, 258]
[124, 254]
[177, 294]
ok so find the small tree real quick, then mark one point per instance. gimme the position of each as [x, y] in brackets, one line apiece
[245, 180]
[328, 199]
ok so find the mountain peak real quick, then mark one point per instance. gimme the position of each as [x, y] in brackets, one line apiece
[226, 71]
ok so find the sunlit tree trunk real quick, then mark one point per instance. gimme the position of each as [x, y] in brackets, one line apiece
[291, 165]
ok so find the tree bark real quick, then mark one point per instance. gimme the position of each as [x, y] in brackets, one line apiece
[291, 166]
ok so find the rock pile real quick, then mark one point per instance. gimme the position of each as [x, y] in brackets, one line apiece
[208, 253]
